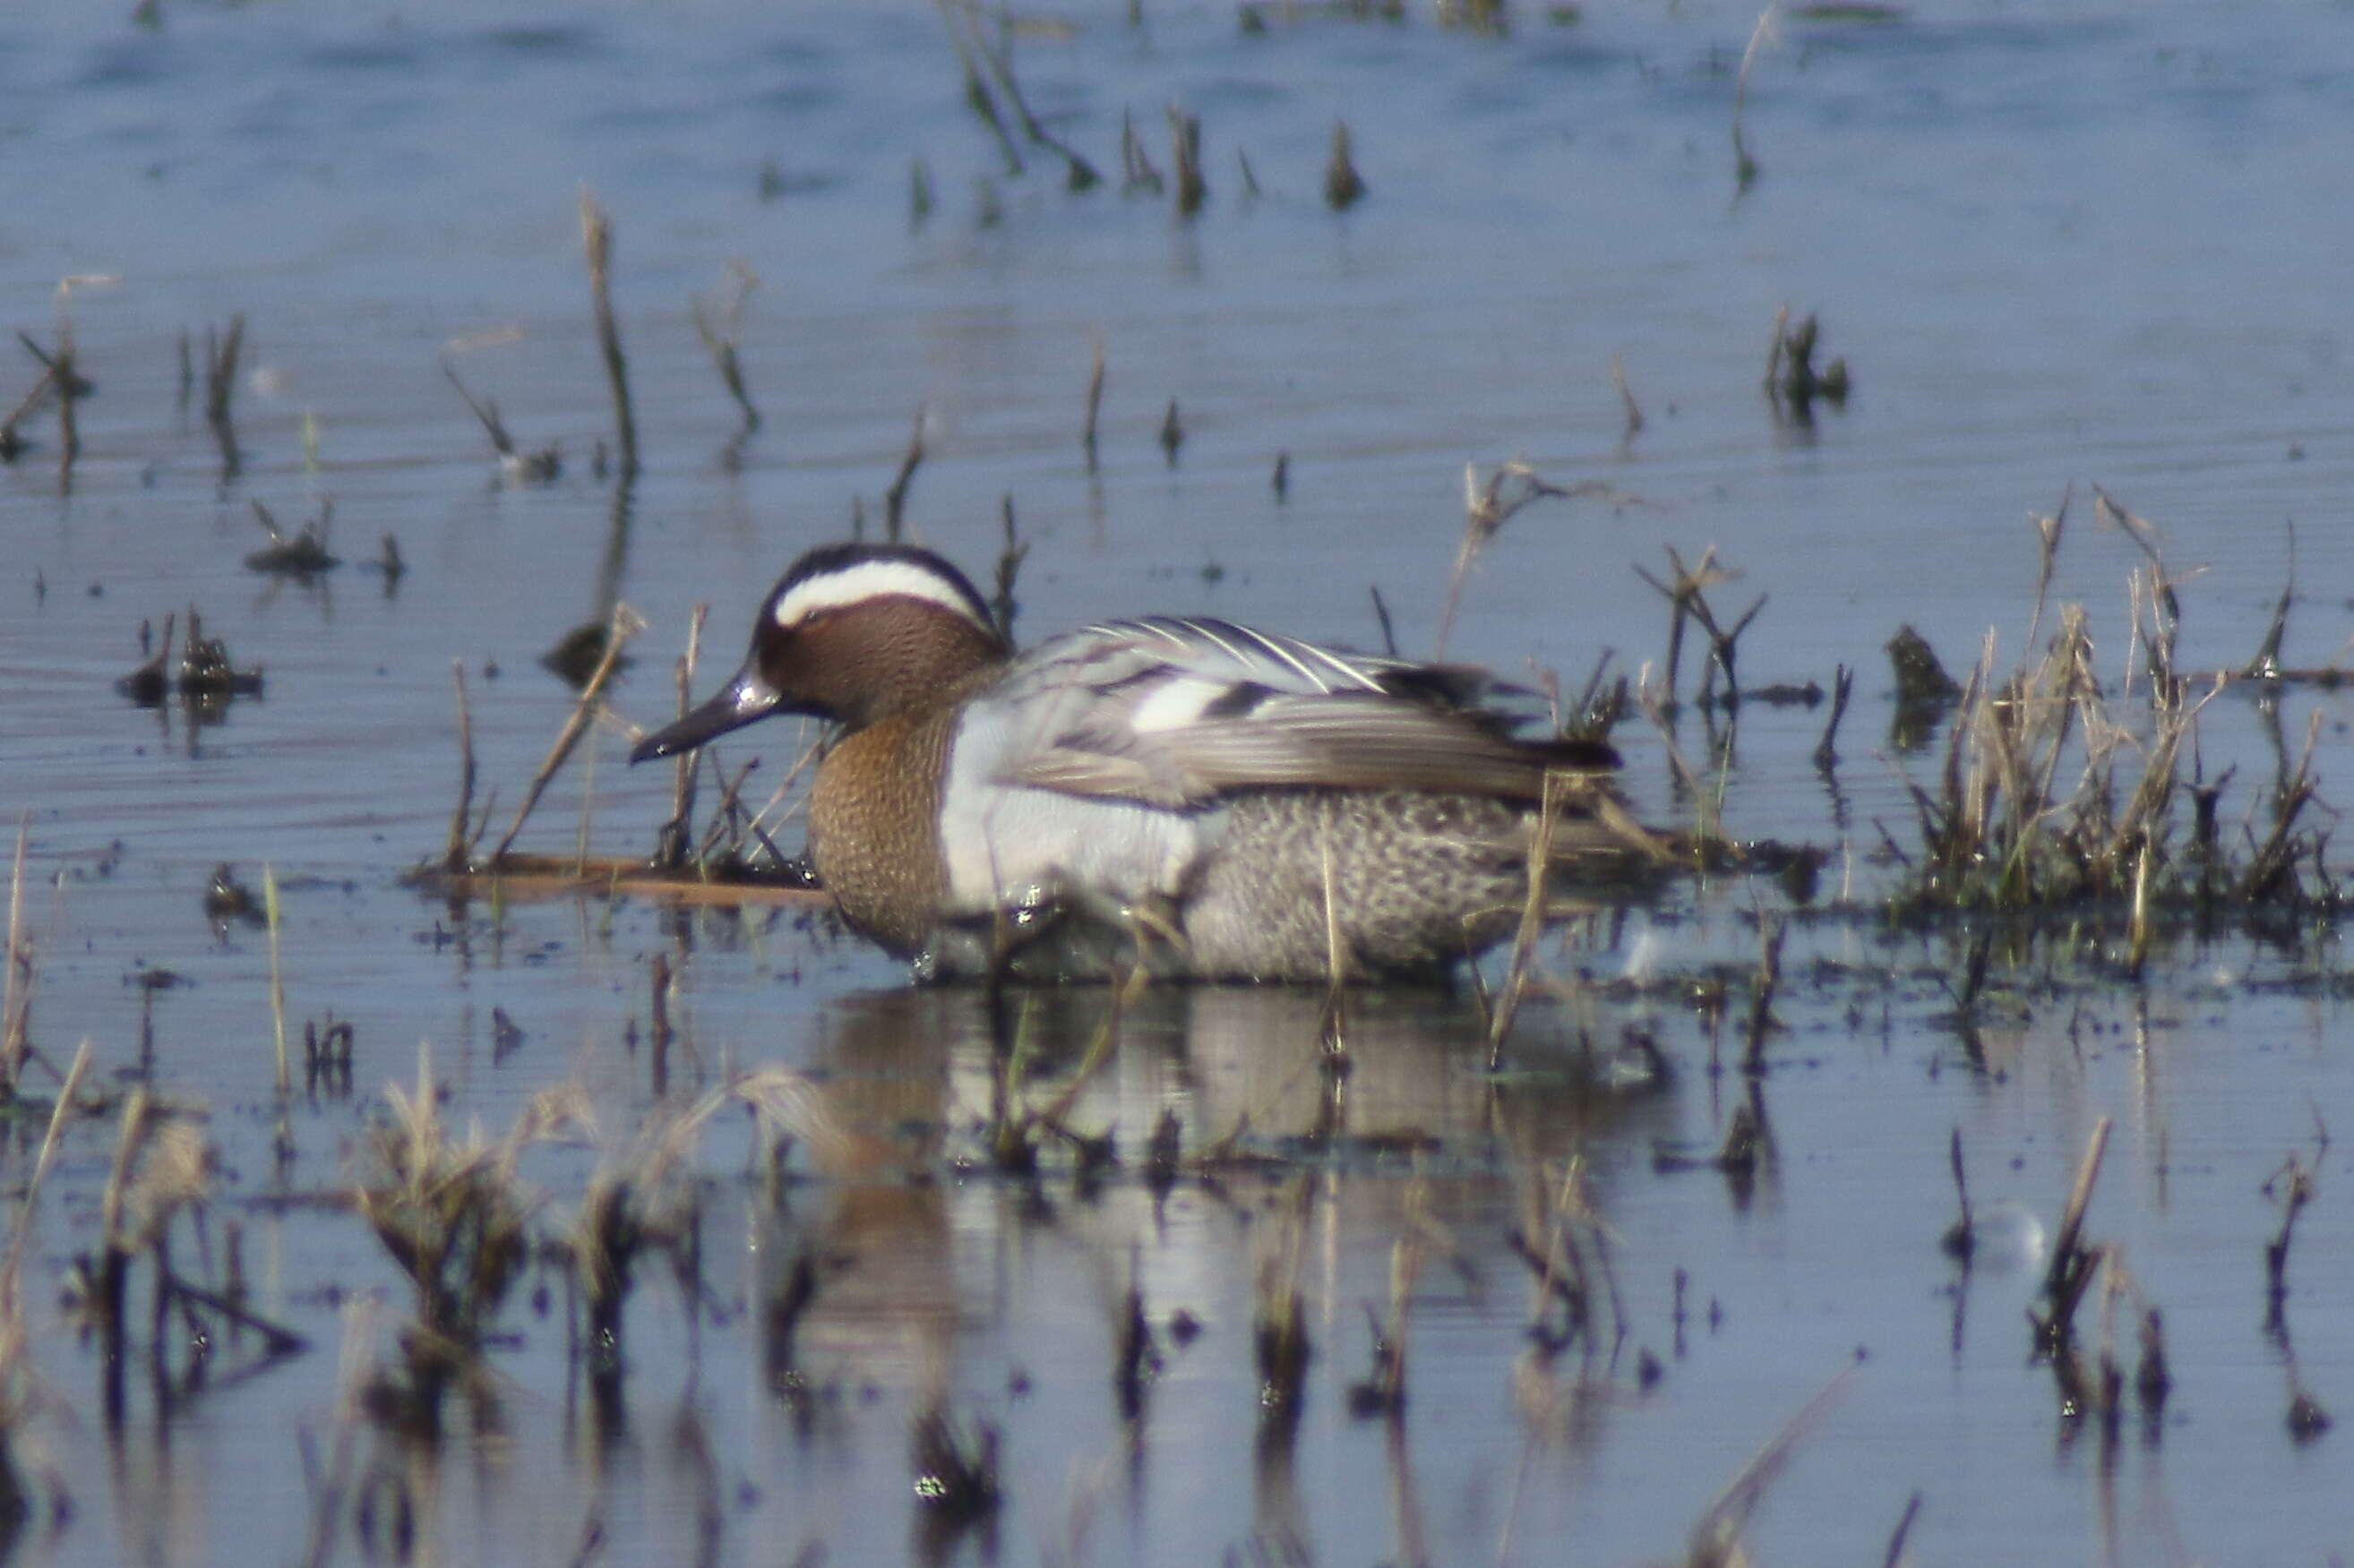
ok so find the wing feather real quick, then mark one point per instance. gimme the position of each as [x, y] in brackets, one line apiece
[1174, 712]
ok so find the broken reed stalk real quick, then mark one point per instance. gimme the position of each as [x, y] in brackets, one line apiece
[895, 500]
[1716, 1538]
[12, 1270]
[721, 341]
[1333, 1033]
[112, 1269]
[1003, 607]
[2072, 1264]
[956, 17]
[1634, 422]
[1744, 167]
[2295, 1184]
[1825, 757]
[625, 625]
[1185, 140]
[19, 1394]
[1683, 592]
[1172, 433]
[919, 192]
[1961, 1239]
[16, 991]
[597, 244]
[1894, 1556]
[676, 834]
[2048, 532]
[2266, 663]
[462, 830]
[1557, 789]
[221, 351]
[996, 53]
[1137, 170]
[1485, 509]
[11, 443]
[70, 386]
[1095, 400]
[1724, 645]
[1343, 187]
[277, 978]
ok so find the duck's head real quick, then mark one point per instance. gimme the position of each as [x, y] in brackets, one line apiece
[852, 633]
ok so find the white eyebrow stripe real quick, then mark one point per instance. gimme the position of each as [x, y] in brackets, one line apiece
[867, 580]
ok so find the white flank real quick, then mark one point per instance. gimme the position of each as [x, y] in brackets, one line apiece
[1176, 704]
[871, 580]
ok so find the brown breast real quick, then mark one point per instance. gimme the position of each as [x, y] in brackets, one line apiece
[874, 814]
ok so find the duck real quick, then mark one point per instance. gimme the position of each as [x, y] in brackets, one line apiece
[1212, 801]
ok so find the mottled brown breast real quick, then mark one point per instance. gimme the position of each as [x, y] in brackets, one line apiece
[875, 815]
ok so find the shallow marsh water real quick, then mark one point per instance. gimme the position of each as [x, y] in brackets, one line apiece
[2064, 245]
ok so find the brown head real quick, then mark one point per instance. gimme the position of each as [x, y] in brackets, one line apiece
[852, 633]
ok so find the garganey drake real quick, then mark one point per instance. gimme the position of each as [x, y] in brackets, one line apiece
[1177, 788]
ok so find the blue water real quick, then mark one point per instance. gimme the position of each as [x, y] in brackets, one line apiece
[2058, 247]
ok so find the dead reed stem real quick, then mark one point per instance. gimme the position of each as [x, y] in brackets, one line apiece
[1961, 1239]
[1894, 1556]
[677, 832]
[721, 340]
[462, 830]
[1827, 749]
[12, 1270]
[1011, 554]
[1634, 410]
[17, 995]
[2292, 1183]
[624, 625]
[20, 1394]
[1172, 433]
[1716, 1538]
[1343, 187]
[597, 244]
[1682, 592]
[2048, 533]
[2072, 1264]
[1137, 170]
[1487, 507]
[1095, 400]
[1185, 144]
[70, 386]
[277, 979]
[1744, 167]
[221, 353]
[1557, 790]
[895, 500]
